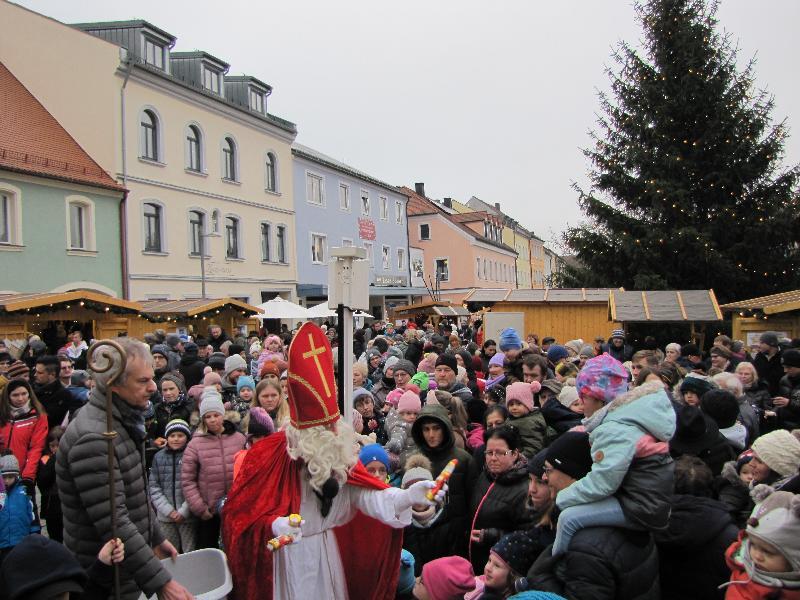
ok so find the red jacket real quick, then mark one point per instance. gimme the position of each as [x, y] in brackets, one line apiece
[26, 437]
[742, 588]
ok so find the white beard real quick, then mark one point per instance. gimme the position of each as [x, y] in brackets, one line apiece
[326, 453]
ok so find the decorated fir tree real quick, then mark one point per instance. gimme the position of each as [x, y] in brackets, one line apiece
[687, 185]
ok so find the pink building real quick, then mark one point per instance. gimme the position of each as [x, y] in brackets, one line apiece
[460, 251]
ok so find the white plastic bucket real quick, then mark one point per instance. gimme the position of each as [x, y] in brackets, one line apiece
[204, 573]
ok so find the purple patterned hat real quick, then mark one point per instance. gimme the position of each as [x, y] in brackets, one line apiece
[602, 378]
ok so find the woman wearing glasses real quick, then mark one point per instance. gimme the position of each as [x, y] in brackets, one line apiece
[499, 498]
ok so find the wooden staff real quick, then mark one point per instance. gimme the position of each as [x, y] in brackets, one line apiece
[112, 356]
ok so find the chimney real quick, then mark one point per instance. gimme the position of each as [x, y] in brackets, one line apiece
[448, 202]
[497, 206]
[420, 189]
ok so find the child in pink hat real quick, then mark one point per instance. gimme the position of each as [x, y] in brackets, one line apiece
[448, 578]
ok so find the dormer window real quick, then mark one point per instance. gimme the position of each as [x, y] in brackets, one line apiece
[257, 101]
[211, 80]
[153, 53]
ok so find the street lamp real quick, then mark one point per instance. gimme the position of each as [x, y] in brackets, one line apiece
[203, 237]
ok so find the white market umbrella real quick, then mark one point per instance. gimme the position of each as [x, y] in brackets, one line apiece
[362, 314]
[278, 308]
[320, 311]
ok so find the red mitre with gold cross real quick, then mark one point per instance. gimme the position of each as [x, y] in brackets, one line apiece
[311, 383]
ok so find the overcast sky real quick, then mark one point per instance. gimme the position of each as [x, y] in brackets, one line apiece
[492, 99]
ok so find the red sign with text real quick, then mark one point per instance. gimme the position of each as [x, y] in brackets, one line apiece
[366, 229]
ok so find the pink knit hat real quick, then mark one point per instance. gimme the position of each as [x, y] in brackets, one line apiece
[393, 397]
[520, 392]
[211, 379]
[448, 578]
[409, 402]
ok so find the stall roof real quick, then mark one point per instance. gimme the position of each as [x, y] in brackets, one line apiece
[17, 302]
[433, 307]
[540, 295]
[451, 311]
[776, 303]
[193, 307]
[663, 306]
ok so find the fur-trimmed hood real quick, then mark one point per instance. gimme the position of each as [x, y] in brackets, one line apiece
[730, 475]
[647, 407]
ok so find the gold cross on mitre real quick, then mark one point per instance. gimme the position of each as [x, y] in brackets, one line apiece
[314, 353]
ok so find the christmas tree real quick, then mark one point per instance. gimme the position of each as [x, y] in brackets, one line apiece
[687, 189]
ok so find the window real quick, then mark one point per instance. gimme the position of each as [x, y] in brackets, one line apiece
[442, 270]
[401, 259]
[344, 196]
[478, 268]
[266, 234]
[193, 154]
[385, 251]
[152, 227]
[211, 79]
[5, 218]
[149, 135]
[315, 189]
[232, 237]
[398, 212]
[229, 159]
[257, 100]
[384, 208]
[424, 231]
[197, 226]
[318, 248]
[80, 223]
[365, 203]
[269, 172]
[281, 240]
[347, 243]
[153, 53]
[368, 248]
[215, 221]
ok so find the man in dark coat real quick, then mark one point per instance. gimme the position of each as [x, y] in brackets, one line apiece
[55, 398]
[82, 478]
[191, 367]
[768, 361]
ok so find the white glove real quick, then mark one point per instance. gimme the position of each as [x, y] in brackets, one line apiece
[417, 495]
[281, 526]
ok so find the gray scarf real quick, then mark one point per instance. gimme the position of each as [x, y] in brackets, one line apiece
[23, 410]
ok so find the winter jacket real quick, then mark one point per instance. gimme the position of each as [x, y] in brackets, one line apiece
[691, 550]
[622, 354]
[749, 418]
[770, 371]
[743, 587]
[191, 368]
[560, 418]
[602, 563]
[56, 401]
[401, 442]
[46, 482]
[734, 494]
[207, 472]
[789, 415]
[26, 436]
[532, 429]
[166, 491]
[269, 356]
[475, 433]
[462, 391]
[16, 518]
[380, 390]
[453, 523]
[497, 507]
[82, 476]
[181, 408]
[414, 352]
[377, 419]
[631, 456]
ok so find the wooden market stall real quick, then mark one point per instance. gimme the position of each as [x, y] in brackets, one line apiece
[779, 313]
[435, 309]
[53, 315]
[194, 317]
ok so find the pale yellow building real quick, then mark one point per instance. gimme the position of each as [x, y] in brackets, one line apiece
[203, 160]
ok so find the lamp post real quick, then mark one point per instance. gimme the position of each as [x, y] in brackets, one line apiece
[203, 237]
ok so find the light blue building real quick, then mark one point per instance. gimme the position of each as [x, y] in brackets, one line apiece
[337, 205]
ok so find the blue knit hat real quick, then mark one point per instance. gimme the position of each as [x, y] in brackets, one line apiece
[245, 381]
[178, 426]
[373, 452]
[510, 340]
[556, 352]
[406, 581]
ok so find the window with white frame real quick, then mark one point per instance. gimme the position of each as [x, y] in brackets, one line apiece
[153, 53]
[401, 259]
[215, 221]
[344, 196]
[194, 145]
[318, 242]
[269, 172]
[153, 223]
[398, 212]
[384, 201]
[442, 269]
[315, 189]
[478, 268]
[197, 228]
[347, 243]
[424, 231]
[365, 203]
[80, 223]
[385, 260]
[229, 159]
[232, 242]
[370, 256]
[211, 79]
[10, 222]
[149, 134]
[257, 102]
[280, 243]
[266, 235]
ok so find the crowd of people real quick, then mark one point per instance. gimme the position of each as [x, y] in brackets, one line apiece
[584, 469]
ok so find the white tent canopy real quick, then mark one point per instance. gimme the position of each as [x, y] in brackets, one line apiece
[278, 308]
[320, 311]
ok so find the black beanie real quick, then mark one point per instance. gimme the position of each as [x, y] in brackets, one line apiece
[448, 360]
[38, 567]
[517, 550]
[571, 454]
[721, 406]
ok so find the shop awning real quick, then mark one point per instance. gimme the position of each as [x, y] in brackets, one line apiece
[52, 301]
[773, 304]
[663, 306]
[199, 307]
